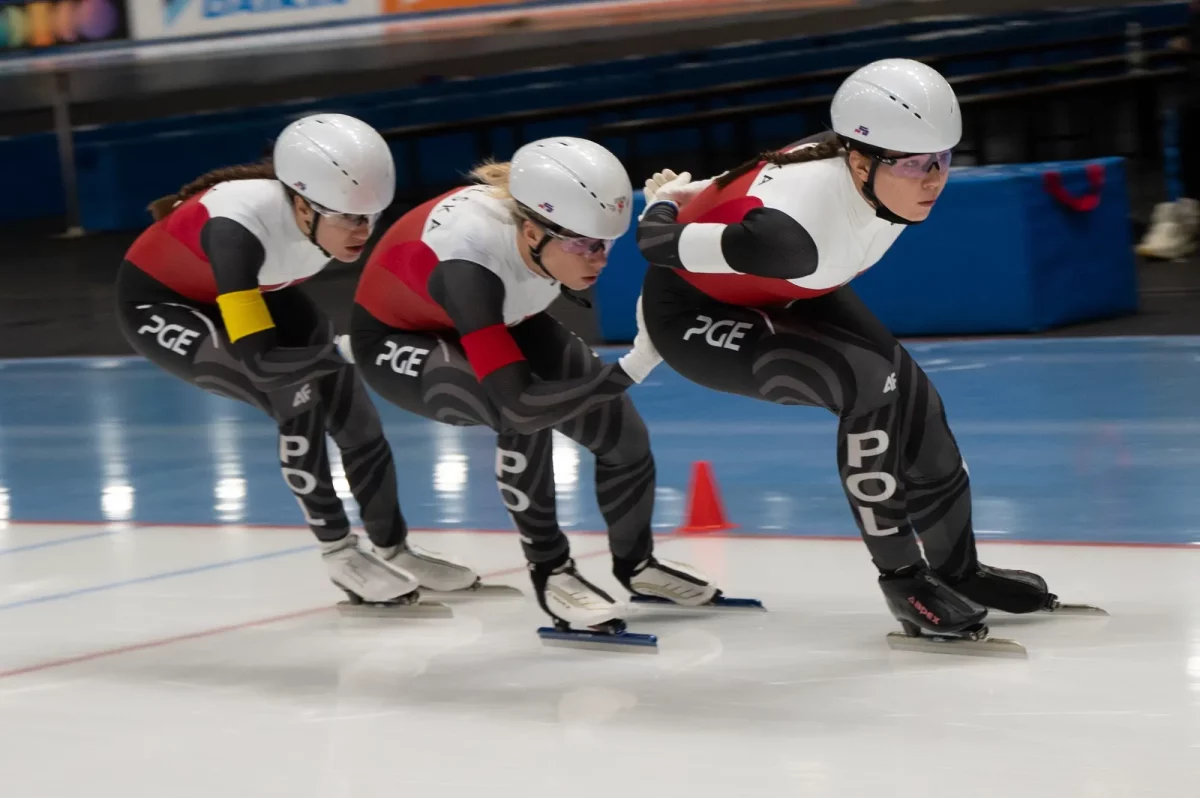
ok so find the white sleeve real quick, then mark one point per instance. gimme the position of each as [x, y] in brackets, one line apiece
[813, 202]
[249, 203]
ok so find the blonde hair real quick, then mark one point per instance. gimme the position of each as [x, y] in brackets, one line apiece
[494, 174]
[162, 207]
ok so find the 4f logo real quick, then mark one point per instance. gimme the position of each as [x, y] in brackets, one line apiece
[722, 334]
[173, 337]
[302, 395]
[403, 359]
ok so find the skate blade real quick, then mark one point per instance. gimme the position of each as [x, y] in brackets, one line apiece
[625, 642]
[1076, 609]
[480, 591]
[717, 603]
[423, 610]
[929, 644]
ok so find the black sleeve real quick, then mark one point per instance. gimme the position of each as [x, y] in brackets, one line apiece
[766, 243]
[236, 256]
[473, 298]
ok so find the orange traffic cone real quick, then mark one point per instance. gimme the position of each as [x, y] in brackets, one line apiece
[705, 512]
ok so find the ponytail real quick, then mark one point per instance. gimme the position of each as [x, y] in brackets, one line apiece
[495, 175]
[162, 207]
[827, 146]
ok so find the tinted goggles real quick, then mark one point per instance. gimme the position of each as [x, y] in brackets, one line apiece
[916, 166]
[578, 245]
[345, 221]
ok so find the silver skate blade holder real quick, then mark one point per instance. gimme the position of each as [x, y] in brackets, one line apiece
[479, 591]
[1058, 608]
[424, 610]
[932, 644]
[717, 603]
[625, 642]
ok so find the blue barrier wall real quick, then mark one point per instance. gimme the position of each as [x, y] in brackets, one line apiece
[999, 254]
[116, 183]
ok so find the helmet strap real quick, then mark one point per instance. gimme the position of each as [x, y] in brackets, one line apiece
[316, 218]
[881, 210]
[535, 253]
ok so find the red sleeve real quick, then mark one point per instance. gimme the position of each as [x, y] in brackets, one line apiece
[491, 348]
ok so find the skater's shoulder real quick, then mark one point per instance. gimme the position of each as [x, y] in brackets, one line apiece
[258, 205]
[470, 225]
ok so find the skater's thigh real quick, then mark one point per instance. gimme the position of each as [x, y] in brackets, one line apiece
[189, 341]
[613, 430]
[552, 351]
[859, 360]
[425, 373]
[298, 321]
[708, 342]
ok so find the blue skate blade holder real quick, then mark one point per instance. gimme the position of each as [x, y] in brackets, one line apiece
[601, 641]
[719, 602]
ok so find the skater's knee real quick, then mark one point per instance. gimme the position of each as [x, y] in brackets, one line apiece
[351, 416]
[937, 458]
[626, 439]
[848, 380]
[875, 386]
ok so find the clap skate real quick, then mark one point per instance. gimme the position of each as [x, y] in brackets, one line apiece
[584, 615]
[374, 587]
[663, 583]
[937, 620]
[408, 606]
[1059, 608]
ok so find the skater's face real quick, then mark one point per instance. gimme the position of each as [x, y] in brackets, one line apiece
[908, 185]
[574, 261]
[343, 236]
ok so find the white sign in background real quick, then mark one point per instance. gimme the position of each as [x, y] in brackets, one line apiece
[160, 19]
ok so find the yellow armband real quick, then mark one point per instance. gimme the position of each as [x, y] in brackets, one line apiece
[245, 313]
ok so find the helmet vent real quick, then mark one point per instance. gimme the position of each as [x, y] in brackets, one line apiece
[904, 105]
[347, 174]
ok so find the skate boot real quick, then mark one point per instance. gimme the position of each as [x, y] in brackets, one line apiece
[440, 576]
[374, 586]
[668, 583]
[584, 615]
[937, 619]
[1016, 592]
[664, 579]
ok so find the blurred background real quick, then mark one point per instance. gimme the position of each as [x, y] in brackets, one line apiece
[1070, 208]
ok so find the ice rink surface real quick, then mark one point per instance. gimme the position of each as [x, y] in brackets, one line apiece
[167, 630]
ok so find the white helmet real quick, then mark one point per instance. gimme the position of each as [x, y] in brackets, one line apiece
[338, 162]
[574, 183]
[900, 105]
